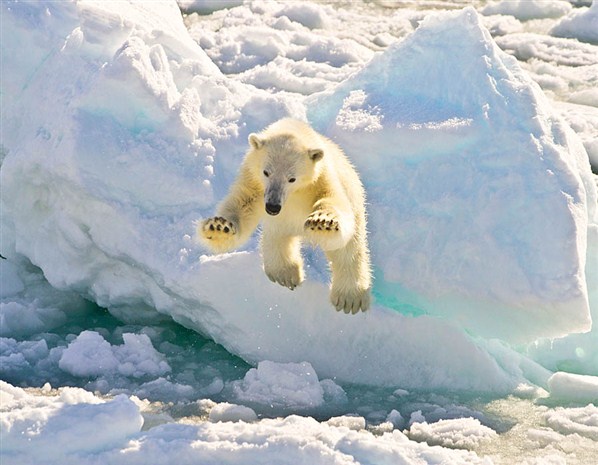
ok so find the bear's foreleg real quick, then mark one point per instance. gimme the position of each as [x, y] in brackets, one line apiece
[282, 259]
[351, 277]
[237, 217]
[218, 233]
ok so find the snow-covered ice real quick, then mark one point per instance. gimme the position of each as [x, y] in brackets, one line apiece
[124, 123]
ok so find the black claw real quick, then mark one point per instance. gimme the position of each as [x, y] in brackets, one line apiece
[211, 227]
[226, 229]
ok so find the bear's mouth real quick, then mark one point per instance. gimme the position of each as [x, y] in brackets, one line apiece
[273, 209]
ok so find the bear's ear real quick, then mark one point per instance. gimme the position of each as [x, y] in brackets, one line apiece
[255, 141]
[315, 154]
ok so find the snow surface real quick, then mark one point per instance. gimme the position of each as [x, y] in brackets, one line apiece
[123, 124]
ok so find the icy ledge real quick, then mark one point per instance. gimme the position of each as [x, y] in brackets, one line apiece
[120, 132]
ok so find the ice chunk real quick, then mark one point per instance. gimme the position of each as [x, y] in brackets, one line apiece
[281, 385]
[355, 423]
[579, 24]
[528, 9]
[91, 355]
[572, 387]
[10, 282]
[461, 433]
[207, 6]
[580, 421]
[18, 319]
[231, 412]
[311, 15]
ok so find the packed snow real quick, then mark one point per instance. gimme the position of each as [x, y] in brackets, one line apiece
[474, 131]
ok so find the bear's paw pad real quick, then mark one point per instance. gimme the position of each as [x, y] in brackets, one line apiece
[218, 227]
[322, 221]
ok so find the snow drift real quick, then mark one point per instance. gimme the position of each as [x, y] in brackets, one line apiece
[119, 132]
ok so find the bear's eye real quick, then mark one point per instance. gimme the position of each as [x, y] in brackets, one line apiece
[292, 179]
[266, 173]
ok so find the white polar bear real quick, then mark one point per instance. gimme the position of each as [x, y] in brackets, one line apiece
[301, 186]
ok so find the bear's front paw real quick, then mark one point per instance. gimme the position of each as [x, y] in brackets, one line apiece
[352, 301]
[218, 233]
[324, 228]
[290, 276]
[322, 221]
[216, 227]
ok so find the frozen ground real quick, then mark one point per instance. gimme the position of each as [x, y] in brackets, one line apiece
[121, 341]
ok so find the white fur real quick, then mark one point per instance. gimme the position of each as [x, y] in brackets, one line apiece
[321, 200]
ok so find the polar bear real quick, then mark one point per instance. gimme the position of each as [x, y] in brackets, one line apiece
[302, 187]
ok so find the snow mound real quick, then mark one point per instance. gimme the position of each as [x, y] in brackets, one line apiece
[471, 182]
[120, 131]
[580, 24]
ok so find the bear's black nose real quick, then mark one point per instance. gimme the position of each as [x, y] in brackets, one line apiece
[273, 208]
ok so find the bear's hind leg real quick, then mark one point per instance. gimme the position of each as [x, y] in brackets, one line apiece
[282, 259]
[351, 278]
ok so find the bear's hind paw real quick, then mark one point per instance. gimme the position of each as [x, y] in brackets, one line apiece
[290, 277]
[351, 302]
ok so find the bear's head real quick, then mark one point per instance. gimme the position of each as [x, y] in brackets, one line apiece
[285, 166]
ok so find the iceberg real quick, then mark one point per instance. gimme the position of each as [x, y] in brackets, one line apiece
[119, 132]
